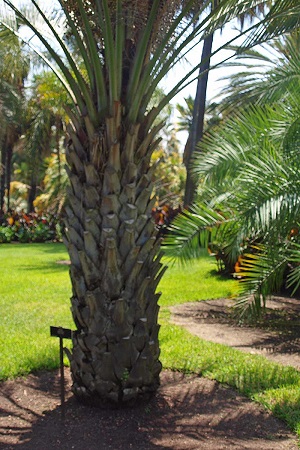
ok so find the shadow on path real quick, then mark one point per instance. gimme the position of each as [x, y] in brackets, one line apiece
[212, 321]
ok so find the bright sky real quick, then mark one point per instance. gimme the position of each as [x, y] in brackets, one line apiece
[215, 85]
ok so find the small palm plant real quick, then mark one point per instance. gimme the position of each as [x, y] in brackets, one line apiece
[249, 194]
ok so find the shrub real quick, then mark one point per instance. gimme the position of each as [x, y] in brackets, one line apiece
[6, 234]
[30, 227]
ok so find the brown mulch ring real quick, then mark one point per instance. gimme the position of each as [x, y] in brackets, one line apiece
[187, 413]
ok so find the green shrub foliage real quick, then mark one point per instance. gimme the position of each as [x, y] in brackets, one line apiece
[31, 227]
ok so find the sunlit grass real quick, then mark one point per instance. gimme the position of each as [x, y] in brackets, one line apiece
[274, 386]
[198, 280]
[34, 294]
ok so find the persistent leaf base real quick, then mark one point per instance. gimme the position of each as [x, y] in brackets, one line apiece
[123, 397]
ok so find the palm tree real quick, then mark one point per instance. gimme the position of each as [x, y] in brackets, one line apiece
[250, 197]
[198, 116]
[13, 71]
[127, 48]
[212, 117]
[53, 197]
[197, 125]
[46, 124]
[276, 65]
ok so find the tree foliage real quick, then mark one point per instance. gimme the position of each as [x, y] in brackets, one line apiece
[249, 195]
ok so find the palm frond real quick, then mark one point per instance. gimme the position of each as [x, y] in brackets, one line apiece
[225, 151]
[283, 17]
[191, 231]
[109, 49]
[262, 274]
[66, 79]
[278, 67]
[293, 279]
[229, 10]
[291, 141]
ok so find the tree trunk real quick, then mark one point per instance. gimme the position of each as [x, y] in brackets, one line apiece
[2, 180]
[115, 269]
[32, 192]
[8, 169]
[198, 121]
[11, 138]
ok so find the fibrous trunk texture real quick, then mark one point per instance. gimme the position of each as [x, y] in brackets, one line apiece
[115, 269]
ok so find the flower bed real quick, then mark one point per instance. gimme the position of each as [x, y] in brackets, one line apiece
[31, 227]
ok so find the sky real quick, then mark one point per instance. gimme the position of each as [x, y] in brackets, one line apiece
[215, 84]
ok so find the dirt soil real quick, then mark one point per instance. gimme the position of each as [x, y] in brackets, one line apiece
[187, 413]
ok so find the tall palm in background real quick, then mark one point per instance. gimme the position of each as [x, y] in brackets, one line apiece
[197, 126]
[14, 67]
[126, 48]
[43, 126]
[185, 115]
[47, 121]
[249, 201]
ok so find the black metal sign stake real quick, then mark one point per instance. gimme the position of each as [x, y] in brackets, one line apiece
[62, 377]
[67, 334]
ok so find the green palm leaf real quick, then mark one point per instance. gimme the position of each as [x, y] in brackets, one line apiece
[262, 274]
[294, 259]
[191, 231]
[283, 17]
[280, 72]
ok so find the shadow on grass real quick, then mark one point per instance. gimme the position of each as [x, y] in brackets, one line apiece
[42, 264]
[188, 412]
[47, 267]
[54, 248]
[44, 247]
[221, 277]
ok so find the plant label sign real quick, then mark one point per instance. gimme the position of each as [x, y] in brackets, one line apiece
[63, 333]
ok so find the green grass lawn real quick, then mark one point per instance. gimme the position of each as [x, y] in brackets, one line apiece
[195, 281]
[35, 292]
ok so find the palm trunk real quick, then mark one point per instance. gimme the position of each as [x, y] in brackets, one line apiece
[115, 269]
[126, 49]
[2, 180]
[8, 169]
[196, 132]
[32, 192]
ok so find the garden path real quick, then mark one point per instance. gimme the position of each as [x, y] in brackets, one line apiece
[277, 338]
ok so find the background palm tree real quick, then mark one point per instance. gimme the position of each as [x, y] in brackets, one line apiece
[249, 199]
[14, 66]
[212, 116]
[110, 237]
[197, 127]
[47, 121]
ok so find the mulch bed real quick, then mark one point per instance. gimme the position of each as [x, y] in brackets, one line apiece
[187, 413]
